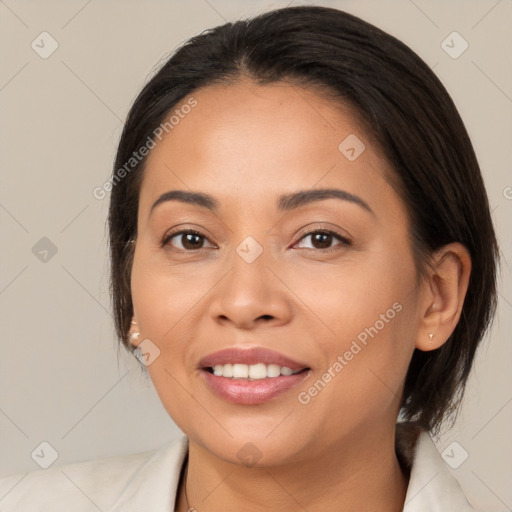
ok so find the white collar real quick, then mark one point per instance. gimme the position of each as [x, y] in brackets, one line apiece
[431, 486]
[154, 486]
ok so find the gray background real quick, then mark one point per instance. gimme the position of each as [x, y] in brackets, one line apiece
[62, 377]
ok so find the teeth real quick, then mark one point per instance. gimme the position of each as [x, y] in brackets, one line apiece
[273, 370]
[257, 371]
[240, 371]
[228, 370]
[252, 371]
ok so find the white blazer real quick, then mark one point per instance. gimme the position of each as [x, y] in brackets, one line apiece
[147, 482]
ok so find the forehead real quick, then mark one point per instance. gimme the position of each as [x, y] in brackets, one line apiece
[248, 141]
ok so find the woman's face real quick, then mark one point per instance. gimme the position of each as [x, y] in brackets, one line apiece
[256, 290]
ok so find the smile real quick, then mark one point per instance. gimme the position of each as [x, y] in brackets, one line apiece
[251, 376]
[256, 371]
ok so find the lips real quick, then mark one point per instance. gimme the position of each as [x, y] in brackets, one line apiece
[251, 376]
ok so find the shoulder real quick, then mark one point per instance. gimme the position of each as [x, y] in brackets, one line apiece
[431, 485]
[91, 485]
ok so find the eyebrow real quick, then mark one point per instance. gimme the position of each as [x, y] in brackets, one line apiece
[285, 202]
[291, 201]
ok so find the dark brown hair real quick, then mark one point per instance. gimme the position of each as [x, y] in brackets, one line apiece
[404, 107]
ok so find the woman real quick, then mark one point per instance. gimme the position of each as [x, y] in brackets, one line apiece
[301, 252]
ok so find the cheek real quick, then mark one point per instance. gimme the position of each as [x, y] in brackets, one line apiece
[163, 300]
[361, 293]
[164, 296]
[369, 306]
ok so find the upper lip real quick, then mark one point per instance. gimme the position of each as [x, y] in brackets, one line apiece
[249, 356]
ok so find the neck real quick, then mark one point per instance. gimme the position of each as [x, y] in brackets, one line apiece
[362, 474]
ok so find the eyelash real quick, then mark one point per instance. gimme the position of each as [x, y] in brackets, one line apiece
[344, 241]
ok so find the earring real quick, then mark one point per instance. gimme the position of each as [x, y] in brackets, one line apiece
[134, 336]
[133, 322]
[430, 336]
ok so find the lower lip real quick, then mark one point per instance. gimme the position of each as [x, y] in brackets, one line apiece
[252, 392]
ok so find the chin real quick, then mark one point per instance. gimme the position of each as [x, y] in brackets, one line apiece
[251, 441]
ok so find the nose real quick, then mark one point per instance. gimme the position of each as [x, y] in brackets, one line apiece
[251, 295]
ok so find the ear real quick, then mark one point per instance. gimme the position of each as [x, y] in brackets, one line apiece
[134, 334]
[443, 295]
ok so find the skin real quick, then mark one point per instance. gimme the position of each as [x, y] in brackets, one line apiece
[246, 144]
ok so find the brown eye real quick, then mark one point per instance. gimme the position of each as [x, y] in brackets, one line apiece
[186, 240]
[323, 239]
